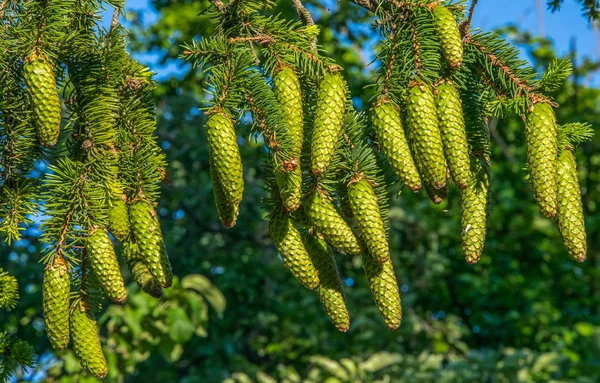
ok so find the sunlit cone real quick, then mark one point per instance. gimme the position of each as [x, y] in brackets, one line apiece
[139, 271]
[225, 156]
[146, 229]
[56, 290]
[475, 206]
[393, 143]
[86, 342]
[327, 221]
[569, 217]
[342, 193]
[289, 95]
[104, 262]
[425, 136]
[43, 93]
[227, 212]
[449, 35]
[542, 153]
[454, 135]
[367, 213]
[330, 291]
[288, 241]
[290, 188]
[331, 107]
[118, 218]
[384, 288]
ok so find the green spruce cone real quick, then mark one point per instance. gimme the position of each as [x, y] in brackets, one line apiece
[384, 288]
[43, 93]
[139, 271]
[56, 290]
[475, 206]
[569, 217]
[542, 153]
[290, 188]
[365, 207]
[288, 241]
[437, 196]
[227, 212]
[425, 136]
[104, 262]
[328, 222]
[146, 229]
[449, 35]
[86, 342]
[225, 156]
[330, 291]
[454, 135]
[392, 140]
[329, 116]
[289, 95]
[342, 193]
[118, 219]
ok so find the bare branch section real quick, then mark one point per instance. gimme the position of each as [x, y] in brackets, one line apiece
[219, 5]
[306, 17]
[115, 19]
[370, 5]
[465, 25]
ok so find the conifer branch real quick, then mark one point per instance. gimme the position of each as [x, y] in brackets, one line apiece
[306, 17]
[370, 5]
[219, 5]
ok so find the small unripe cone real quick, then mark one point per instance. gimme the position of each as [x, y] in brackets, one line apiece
[384, 288]
[328, 123]
[56, 290]
[327, 221]
[569, 217]
[118, 219]
[104, 262]
[342, 193]
[393, 143]
[475, 206]
[86, 342]
[288, 241]
[449, 35]
[330, 291]
[290, 188]
[289, 95]
[227, 212]
[542, 153]
[454, 135]
[437, 196]
[43, 93]
[425, 136]
[139, 271]
[146, 229]
[365, 207]
[225, 156]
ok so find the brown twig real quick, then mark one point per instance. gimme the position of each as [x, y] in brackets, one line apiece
[370, 5]
[306, 17]
[465, 25]
[219, 5]
[115, 19]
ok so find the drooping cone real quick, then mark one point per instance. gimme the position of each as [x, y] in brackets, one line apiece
[227, 212]
[139, 271]
[290, 188]
[569, 217]
[367, 213]
[475, 206]
[329, 116]
[449, 35]
[454, 135]
[289, 95]
[393, 143]
[118, 218]
[425, 136]
[86, 342]
[43, 93]
[542, 153]
[104, 262]
[330, 291]
[146, 229]
[327, 221]
[56, 290]
[384, 288]
[225, 156]
[342, 193]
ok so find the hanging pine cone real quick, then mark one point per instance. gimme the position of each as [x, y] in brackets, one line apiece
[146, 229]
[449, 35]
[342, 194]
[425, 136]
[118, 218]
[330, 291]
[288, 241]
[384, 288]
[327, 221]
[56, 290]
[43, 93]
[139, 271]
[392, 140]
[454, 135]
[104, 262]
[542, 153]
[437, 196]
[329, 116]
[365, 207]
[289, 95]
[86, 342]
[227, 212]
[475, 206]
[569, 217]
[290, 188]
